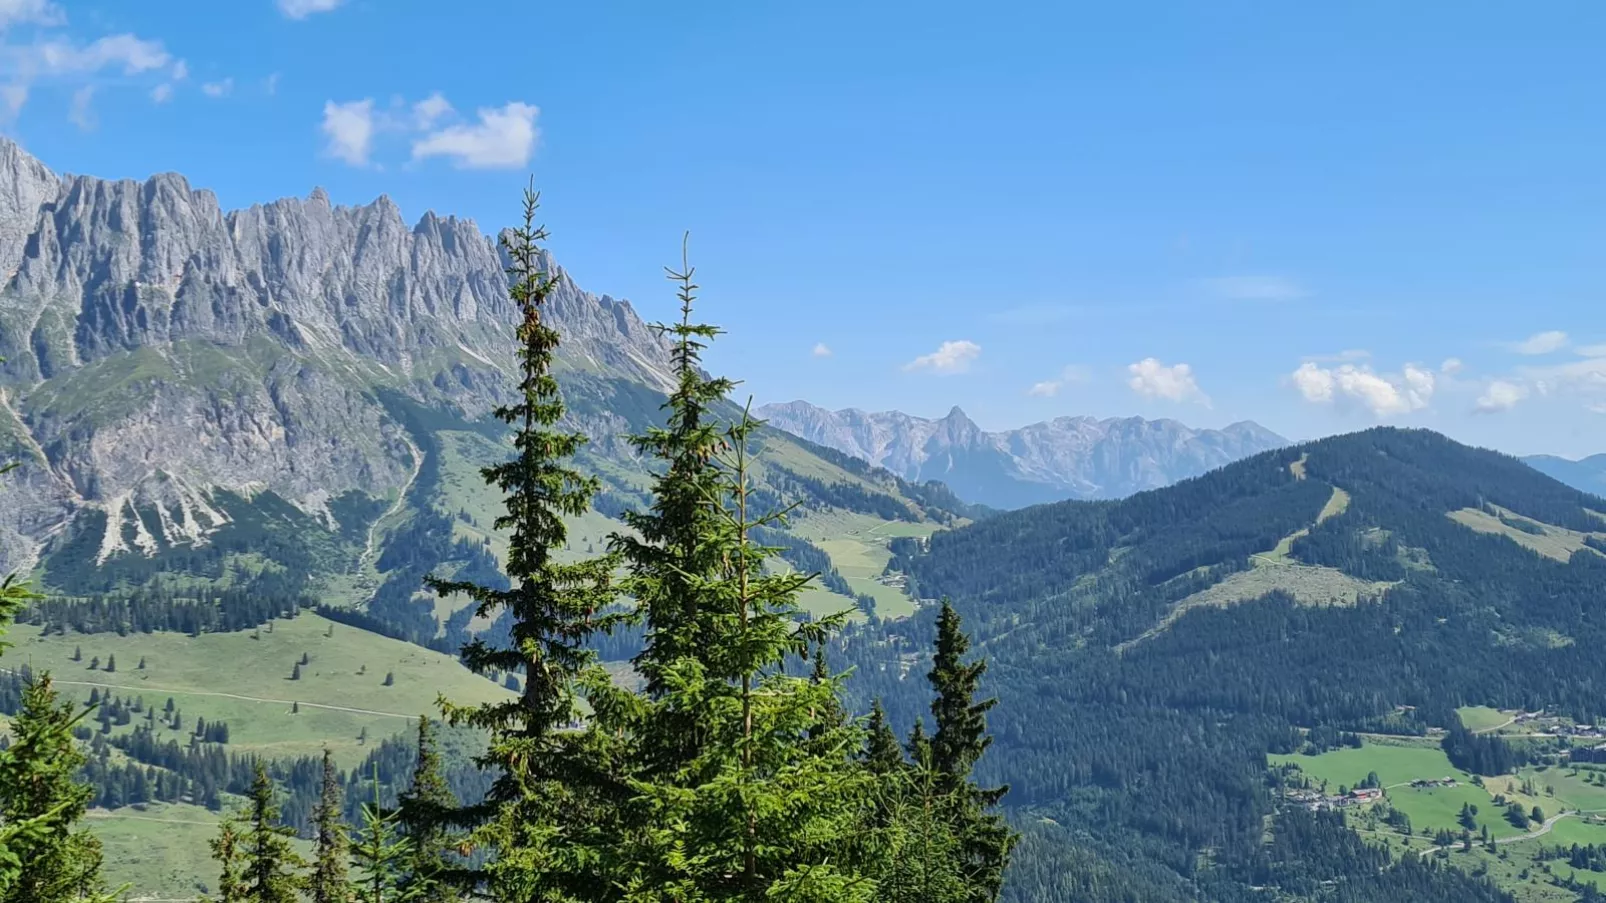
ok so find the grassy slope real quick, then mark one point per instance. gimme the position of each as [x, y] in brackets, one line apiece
[1401, 762]
[160, 850]
[198, 671]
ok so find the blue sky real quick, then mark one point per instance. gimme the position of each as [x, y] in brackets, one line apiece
[1319, 217]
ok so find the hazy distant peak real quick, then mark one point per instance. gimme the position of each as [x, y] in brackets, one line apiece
[1067, 457]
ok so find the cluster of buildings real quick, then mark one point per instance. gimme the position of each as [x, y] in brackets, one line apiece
[1315, 801]
[1429, 784]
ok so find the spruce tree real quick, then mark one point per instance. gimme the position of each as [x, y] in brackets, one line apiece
[328, 882]
[424, 810]
[226, 850]
[42, 799]
[882, 756]
[269, 860]
[744, 780]
[958, 743]
[551, 608]
[380, 855]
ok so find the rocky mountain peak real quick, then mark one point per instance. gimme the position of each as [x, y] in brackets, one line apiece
[1067, 457]
[158, 347]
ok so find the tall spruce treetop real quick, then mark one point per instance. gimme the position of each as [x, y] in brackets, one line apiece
[328, 883]
[961, 722]
[985, 840]
[882, 755]
[744, 784]
[424, 809]
[269, 861]
[670, 552]
[553, 608]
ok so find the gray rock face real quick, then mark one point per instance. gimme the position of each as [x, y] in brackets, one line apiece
[158, 347]
[1068, 457]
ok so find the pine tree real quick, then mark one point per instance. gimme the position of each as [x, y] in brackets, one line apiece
[42, 799]
[882, 756]
[328, 882]
[226, 850]
[552, 609]
[958, 743]
[295, 671]
[744, 779]
[380, 855]
[269, 859]
[390, 676]
[424, 810]
[111, 664]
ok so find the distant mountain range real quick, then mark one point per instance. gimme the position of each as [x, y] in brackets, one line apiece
[1588, 474]
[1059, 459]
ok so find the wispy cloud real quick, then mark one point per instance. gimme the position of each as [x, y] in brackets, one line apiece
[222, 88]
[1049, 388]
[1591, 350]
[1153, 379]
[502, 138]
[1540, 343]
[48, 54]
[950, 357]
[821, 350]
[1033, 315]
[1384, 395]
[82, 112]
[1348, 354]
[1500, 395]
[348, 130]
[1255, 288]
[301, 9]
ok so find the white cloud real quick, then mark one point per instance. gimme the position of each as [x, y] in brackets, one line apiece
[218, 89]
[181, 71]
[1500, 395]
[162, 93]
[349, 128]
[1049, 388]
[950, 357]
[300, 9]
[430, 110]
[82, 113]
[1152, 379]
[133, 55]
[15, 97]
[271, 84]
[821, 350]
[1591, 350]
[67, 62]
[1541, 343]
[1255, 288]
[1451, 366]
[504, 137]
[1383, 394]
[30, 12]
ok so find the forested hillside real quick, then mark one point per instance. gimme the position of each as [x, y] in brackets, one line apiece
[1149, 653]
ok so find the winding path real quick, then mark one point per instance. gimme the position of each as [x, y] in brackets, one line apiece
[401, 501]
[173, 692]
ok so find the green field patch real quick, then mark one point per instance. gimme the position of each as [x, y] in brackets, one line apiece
[160, 850]
[1393, 764]
[242, 678]
[1481, 718]
[1554, 542]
